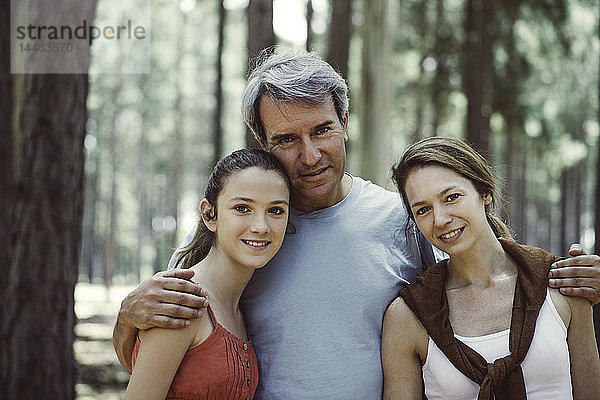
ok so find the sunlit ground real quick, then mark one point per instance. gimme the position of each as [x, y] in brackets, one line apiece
[100, 376]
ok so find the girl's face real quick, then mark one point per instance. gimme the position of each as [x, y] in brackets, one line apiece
[447, 208]
[252, 216]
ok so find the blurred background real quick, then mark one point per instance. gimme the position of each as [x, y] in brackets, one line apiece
[519, 80]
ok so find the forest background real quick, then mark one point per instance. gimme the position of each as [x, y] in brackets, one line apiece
[102, 172]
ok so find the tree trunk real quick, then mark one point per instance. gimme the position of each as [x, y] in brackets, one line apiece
[520, 194]
[597, 215]
[376, 49]
[339, 36]
[217, 126]
[597, 199]
[477, 72]
[578, 181]
[162, 252]
[309, 15]
[547, 217]
[564, 208]
[439, 87]
[173, 188]
[417, 133]
[260, 36]
[111, 229]
[7, 170]
[597, 196]
[515, 159]
[38, 320]
[141, 182]
[89, 242]
[578, 174]
[421, 86]
[509, 181]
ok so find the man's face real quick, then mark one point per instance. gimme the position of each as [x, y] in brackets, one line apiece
[309, 140]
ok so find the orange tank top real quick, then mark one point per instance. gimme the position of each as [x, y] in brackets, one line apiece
[222, 367]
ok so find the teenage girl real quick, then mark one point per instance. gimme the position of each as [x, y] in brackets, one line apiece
[244, 216]
[482, 324]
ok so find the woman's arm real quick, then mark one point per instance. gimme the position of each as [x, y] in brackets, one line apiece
[585, 363]
[159, 356]
[403, 351]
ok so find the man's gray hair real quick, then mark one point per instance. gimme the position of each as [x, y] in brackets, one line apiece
[294, 76]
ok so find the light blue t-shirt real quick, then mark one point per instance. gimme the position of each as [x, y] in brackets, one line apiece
[314, 312]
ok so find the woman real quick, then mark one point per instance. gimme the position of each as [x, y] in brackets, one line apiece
[244, 214]
[483, 322]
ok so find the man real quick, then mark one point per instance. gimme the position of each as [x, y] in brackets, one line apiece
[314, 312]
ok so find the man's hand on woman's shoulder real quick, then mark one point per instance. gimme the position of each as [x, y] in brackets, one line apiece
[578, 275]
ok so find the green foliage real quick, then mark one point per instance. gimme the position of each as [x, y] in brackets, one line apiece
[544, 104]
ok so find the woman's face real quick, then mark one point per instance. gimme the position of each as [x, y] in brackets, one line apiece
[252, 216]
[447, 208]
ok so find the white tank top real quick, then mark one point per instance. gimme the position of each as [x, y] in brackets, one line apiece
[546, 367]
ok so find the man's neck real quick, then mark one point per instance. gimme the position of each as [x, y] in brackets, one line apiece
[343, 191]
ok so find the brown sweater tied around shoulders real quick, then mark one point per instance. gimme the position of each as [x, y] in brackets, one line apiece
[504, 378]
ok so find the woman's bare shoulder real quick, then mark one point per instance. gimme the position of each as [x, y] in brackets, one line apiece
[561, 303]
[399, 311]
[405, 325]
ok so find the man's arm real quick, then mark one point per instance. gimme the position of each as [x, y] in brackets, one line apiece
[577, 276]
[167, 300]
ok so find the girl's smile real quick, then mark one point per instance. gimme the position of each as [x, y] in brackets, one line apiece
[252, 214]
